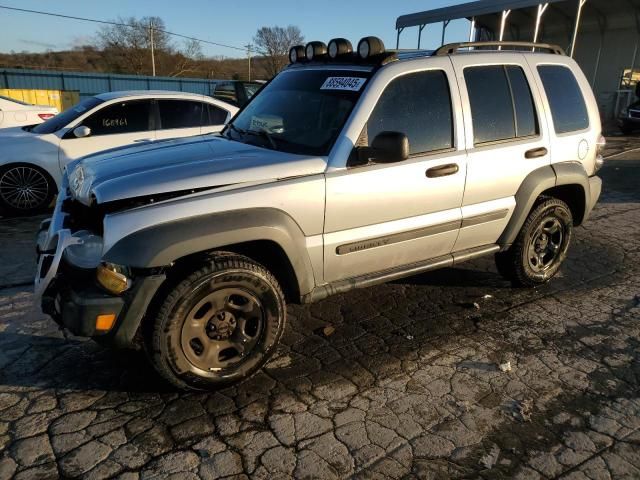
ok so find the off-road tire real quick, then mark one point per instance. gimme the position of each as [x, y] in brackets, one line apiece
[514, 264]
[223, 272]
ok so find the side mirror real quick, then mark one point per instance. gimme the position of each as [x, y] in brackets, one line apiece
[386, 147]
[81, 131]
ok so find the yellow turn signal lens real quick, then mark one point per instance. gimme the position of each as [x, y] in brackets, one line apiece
[112, 281]
[104, 323]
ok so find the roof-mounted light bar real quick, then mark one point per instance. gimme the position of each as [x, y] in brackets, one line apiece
[368, 48]
[297, 54]
[338, 47]
[315, 50]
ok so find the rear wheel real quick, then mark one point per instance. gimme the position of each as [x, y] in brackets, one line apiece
[25, 189]
[541, 246]
[218, 326]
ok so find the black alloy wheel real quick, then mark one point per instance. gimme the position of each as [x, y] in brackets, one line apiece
[541, 245]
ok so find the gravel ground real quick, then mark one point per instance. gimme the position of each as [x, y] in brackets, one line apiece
[405, 382]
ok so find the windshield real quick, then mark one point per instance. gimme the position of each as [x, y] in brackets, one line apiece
[63, 119]
[300, 111]
[251, 89]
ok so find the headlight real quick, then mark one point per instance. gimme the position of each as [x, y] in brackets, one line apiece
[339, 46]
[113, 278]
[86, 254]
[296, 54]
[369, 47]
[315, 49]
[80, 181]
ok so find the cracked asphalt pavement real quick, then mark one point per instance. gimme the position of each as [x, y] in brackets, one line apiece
[451, 374]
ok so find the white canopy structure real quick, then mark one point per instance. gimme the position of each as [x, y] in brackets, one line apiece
[602, 35]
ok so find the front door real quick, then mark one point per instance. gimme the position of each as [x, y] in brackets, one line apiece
[507, 138]
[381, 216]
[125, 122]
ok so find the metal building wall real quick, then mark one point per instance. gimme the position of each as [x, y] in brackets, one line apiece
[89, 84]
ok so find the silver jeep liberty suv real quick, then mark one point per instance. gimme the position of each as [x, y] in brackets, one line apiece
[345, 170]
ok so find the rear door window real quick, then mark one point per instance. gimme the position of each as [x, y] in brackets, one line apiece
[502, 106]
[418, 105]
[180, 114]
[120, 117]
[567, 104]
[216, 115]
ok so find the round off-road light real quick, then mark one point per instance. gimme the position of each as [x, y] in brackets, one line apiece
[296, 54]
[369, 47]
[315, 49]
[339, 46]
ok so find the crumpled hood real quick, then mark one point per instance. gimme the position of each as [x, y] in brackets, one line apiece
[186, 164]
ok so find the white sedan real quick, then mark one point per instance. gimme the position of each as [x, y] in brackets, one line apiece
[32, 159]
[14, 113]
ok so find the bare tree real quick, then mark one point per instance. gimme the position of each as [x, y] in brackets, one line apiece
[129, 43]
[187, 59]
[274, 43]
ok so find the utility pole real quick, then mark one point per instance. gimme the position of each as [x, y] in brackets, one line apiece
[153, 58]
[249, 47]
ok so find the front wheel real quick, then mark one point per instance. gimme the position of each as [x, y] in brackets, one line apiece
[541, 246]
[218, 326]
[25, 189]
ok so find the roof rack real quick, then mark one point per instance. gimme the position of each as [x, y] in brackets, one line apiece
[452, 48]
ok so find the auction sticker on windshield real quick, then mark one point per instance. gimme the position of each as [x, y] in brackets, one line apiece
[351, 84]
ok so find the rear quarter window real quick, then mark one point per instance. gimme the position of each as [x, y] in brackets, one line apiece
[568, 107]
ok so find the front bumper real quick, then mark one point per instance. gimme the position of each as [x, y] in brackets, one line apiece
[72, 297]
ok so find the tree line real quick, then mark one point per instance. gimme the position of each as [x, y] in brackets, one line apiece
[126, 49]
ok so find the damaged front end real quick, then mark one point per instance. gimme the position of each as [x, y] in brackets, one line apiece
[76, 288]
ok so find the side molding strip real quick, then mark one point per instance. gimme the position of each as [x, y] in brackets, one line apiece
[397, 237]
[484, 218]
[341, 286]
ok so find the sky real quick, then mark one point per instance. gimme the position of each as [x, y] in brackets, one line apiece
[230, 22]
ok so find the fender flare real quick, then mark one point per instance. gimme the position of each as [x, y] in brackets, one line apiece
[162, 244]
[534, 184]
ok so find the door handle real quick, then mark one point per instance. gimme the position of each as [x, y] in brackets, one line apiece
[536, 152]
[143, 140]
[443, 170]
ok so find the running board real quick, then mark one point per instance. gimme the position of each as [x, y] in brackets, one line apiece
[369, 279]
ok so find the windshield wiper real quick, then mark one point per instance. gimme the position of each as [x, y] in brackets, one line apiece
[264, 134]
[240, 131]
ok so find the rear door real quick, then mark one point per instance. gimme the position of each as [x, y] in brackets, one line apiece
[214, 118]
[125, 122]
[575, 128]
[507, 139]
[179, 118]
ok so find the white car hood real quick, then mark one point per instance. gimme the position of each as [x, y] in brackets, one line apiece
[186, 165]
[17, 144]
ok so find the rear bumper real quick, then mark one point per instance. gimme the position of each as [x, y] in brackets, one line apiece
[595, 189]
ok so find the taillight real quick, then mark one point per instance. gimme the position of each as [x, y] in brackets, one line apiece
[600, 144]
[46, 116]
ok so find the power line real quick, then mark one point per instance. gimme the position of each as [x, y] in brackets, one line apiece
[107, 22]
